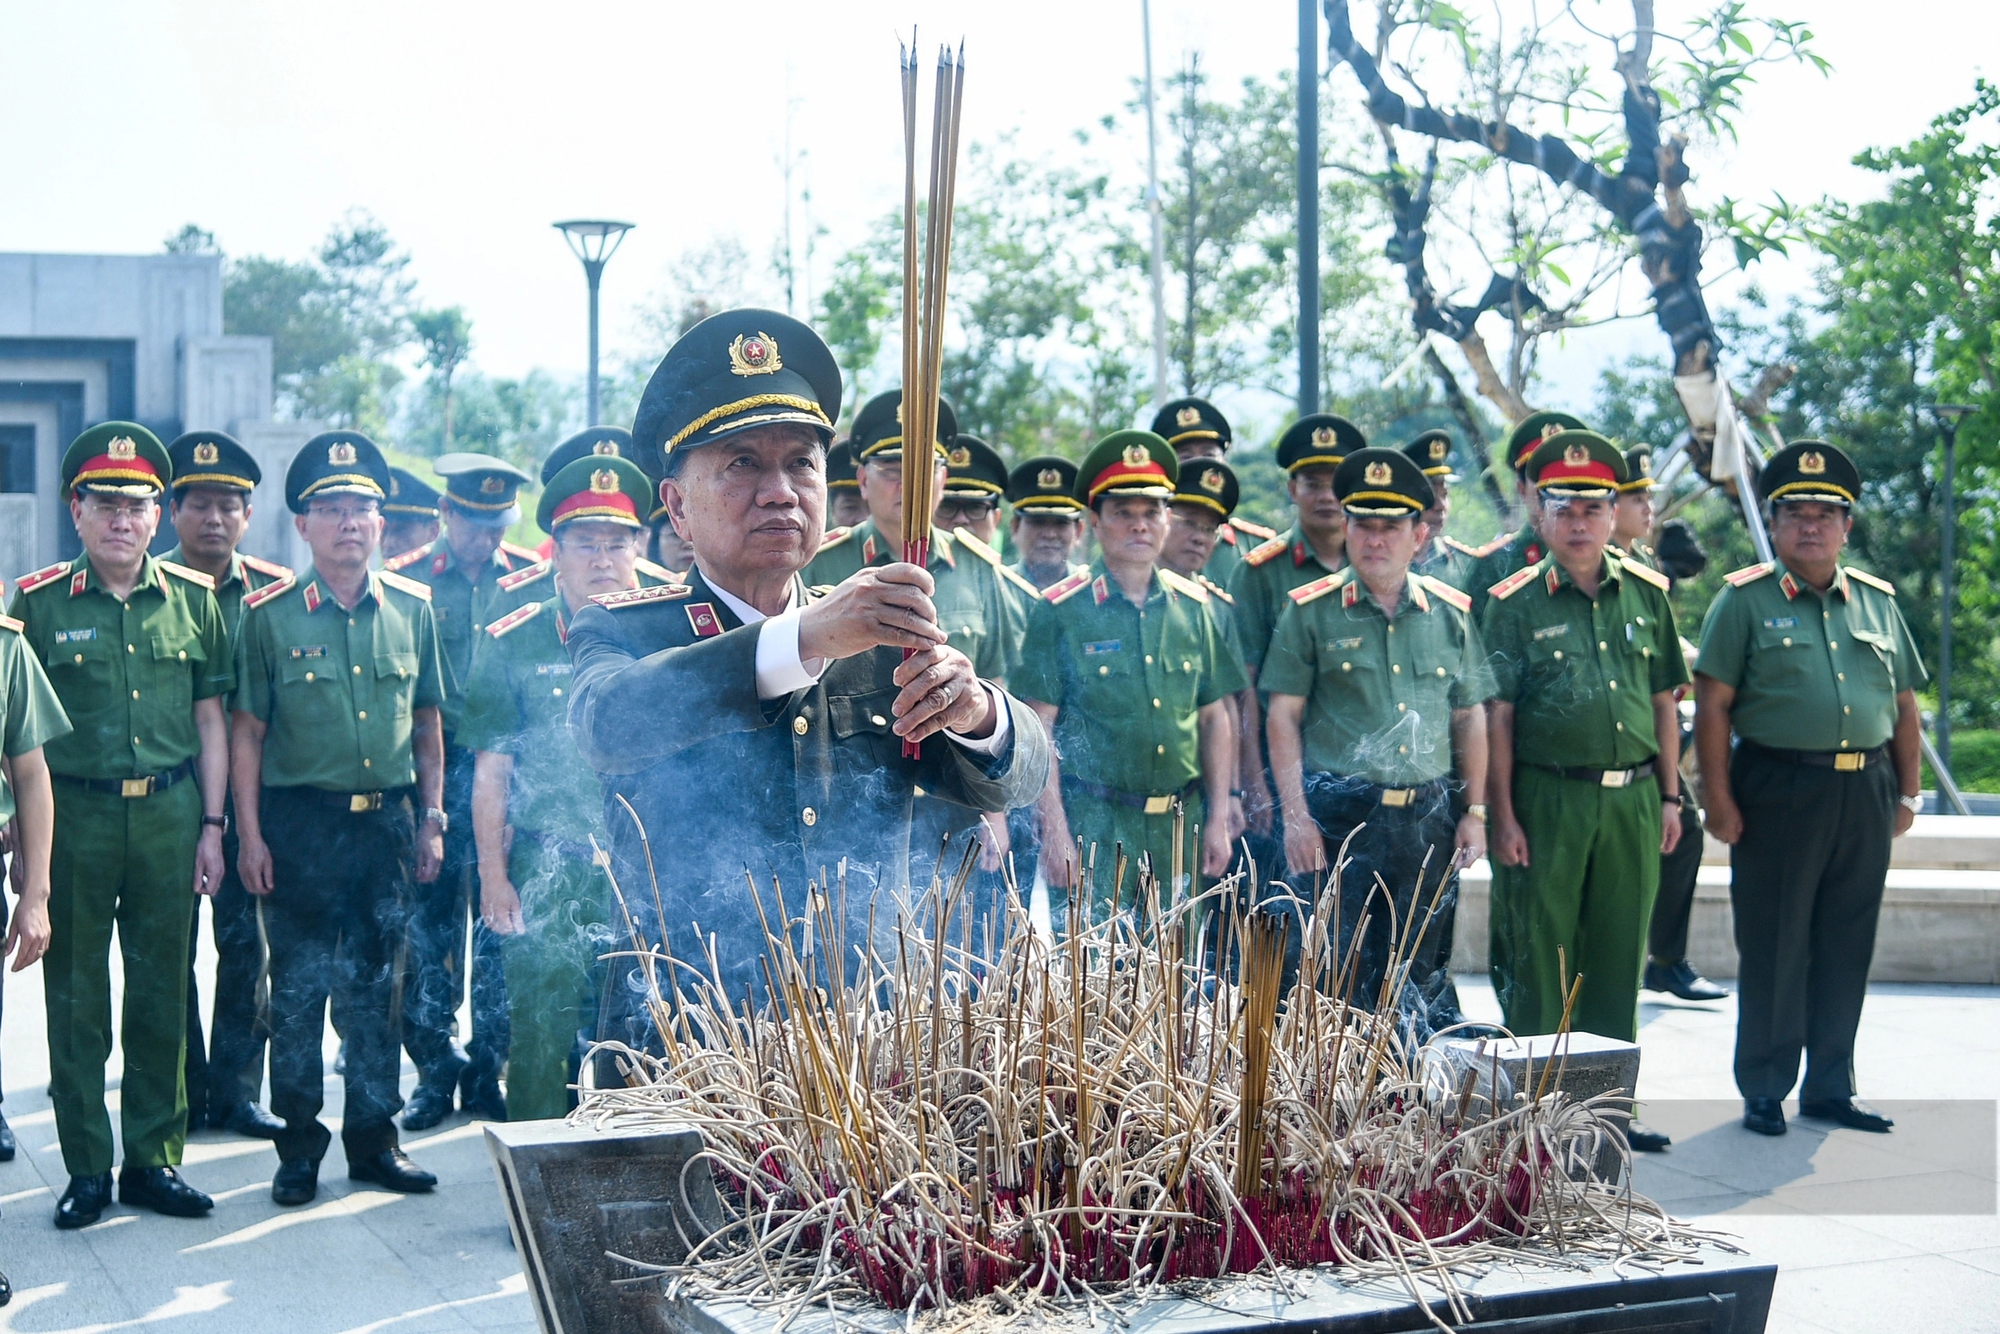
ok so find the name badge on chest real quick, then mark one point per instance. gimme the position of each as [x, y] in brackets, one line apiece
[309, 651]
[76, 636]
[1102, 646]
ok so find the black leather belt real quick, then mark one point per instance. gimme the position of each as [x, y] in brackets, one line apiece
[354, 803]
[1845, 761]
[1602, 777]
[133, 787]
[1392, 797]
[1151, 805]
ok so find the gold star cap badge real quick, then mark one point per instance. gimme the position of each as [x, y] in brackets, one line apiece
[207, 454]
[960, 457]
[124, 449]
[340, 454]
[1439, 449]
[604, 482]
[1812, 463]
[754, 354]
[1576, 455]
[1049, 479]
[1211, 481]
[1188, 416]
[605, 447]
[1323, 436]
[1377, 474]
[1136, 455]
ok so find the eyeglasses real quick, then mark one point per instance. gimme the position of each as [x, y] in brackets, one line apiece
[132, 507]
[601, 550]
[348, 512]
[970, 510]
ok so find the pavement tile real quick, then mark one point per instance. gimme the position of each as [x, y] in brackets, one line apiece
[1920, 1292]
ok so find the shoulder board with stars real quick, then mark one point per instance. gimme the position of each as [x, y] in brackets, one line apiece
[408, 558]
[1749, 574]
[639, 597]
[1444, 592]
[835, 538]
[1065, 589]
[1872, 580]
[524, 553]
[1215, 590]
[195, 577]
[517, 617]
[1257, 530]
[1514, 583]
[1184, 585]
[9, 623]
[1267, 551]
[1460, 547]
[1493, 546]
[1318, 588]
[262, 566]
[527, 574]
[28, 583]
[1646, 573]
[405, 584]
[654, 570]
[259, 597]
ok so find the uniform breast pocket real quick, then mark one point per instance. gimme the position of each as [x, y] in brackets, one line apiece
[76, 663]
[176, 661]
[1547, 665]
[1779, 655]
[862, 723]
[1430, 686]
[310, 693]
[1111, 682]
[395, 677]
[1874, 657]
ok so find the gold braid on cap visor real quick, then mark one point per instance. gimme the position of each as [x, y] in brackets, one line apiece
[354, 481]
[1402, 503]
[1811, 489]
[214, 479]
[1185, 498]
[714, 415]
[1310, 460]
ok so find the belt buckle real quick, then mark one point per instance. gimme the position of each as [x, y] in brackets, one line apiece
[1398, 796]
[137, 787]
[364, 801]
[1615, 778]
[1847, 761]
[1159, 805]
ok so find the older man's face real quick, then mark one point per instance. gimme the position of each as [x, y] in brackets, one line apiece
[754, 501]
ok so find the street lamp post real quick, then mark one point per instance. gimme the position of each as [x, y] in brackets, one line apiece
[1948, 416]
[593, 242]
[1308, 169]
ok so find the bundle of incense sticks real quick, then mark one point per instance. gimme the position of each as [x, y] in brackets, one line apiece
[925, 277]
[968, 1111]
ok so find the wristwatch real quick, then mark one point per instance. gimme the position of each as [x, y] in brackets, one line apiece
[1477, 812]
[443, 821]
[1914, 805]
[219, 821]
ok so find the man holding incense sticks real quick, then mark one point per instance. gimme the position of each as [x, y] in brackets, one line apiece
[749, 730]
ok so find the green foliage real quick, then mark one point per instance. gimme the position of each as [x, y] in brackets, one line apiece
[519, 420]
[191, 240]
[1975, 762]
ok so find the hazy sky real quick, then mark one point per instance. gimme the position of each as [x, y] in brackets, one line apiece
[468, 128]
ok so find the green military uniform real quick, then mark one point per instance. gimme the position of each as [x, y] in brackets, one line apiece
[1127, 682]
[974, 473]
[971, 606]
[1273, 569]
[1581, 673]
[1816, 676]
[246, 574]
[1042, 487]
[128, 817]
[338, 690]
[1503, 557]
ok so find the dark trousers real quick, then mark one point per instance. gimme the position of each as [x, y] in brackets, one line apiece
[227, 1070]
[1806, 886]
[335, 921]
[1667, 934]
[1393, 868]
[441, 913]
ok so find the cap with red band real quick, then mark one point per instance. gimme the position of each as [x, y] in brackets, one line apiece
[119, 459]
[603, 488]
[1577, 464]
[1128, 463]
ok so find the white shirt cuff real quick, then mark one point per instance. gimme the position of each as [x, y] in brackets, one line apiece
[779, 668]
[1003, 718]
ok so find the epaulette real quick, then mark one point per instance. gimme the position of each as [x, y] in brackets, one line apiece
[1180, 583]
[1014, 577]
[639, 597]
[28, 583]
[1318, 588]
[1646, 572]
[1258, 555]
[258, 597]
[404, 583]
[262, 566]
[1749, 574]
[519, 616]
[9, 623]
[835, 538]
[410, 557]
[1459, 546]
[1872, 580]
[1065, 589]
[655, 570]
[1254, 529]
[1438, 588]
[1514, 582]
[1482, 553]
[195, 577]
[527, 574]
[1225, 533]
[1215, 590]
[516, 549]
[977, 546]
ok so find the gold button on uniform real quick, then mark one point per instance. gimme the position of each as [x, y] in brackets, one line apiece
[364, 715]
[800, 726]
[1159, 750]
[1788, 641]
[1831, 644]
[1345, 666]
[1601, 646]
[357, 669]
[810, 816]
[183, 655]
[1621, 727]
[309, 676]
[1402, 708]
[1149, 660]
[1840, 676]
[1101, 671]
[135, 694]
[1396, 668]
[878, 720]
[1559, 654]
[1440, 671]
[557, 692]
[79, 657]
[1156, 704]
[367, 764]
[129, 648]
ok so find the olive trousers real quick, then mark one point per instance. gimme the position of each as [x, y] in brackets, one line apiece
[126, 862]
[1101, 827]
[553, 971]
[1593, 869]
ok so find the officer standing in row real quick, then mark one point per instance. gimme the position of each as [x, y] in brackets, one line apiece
[410, 520]
[1127, 670]
[336, 745]
[1584, 735]
[1632, 530]
[463, 570]
[213, 479]
[1515, 551]
[1440, 556]
[1205, 495]
[975, 482]
[1197, 429]
[139, 657]
[1809, 663]
[535, 803]
[843, 489]
[1378, 685]
[1047, 525]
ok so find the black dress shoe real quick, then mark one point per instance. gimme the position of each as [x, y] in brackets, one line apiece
[1643, 1140]
[481, 1099]
[426, 1107]
[84, 1202]
[1854, 1115]
[297, 1181]
[161, 1190]
[253, 1120]
[7, 1145]
[392, 1168]
[1766, 1116]
[1680, 979]
[6, 1290]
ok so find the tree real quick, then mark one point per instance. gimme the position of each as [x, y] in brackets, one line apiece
[191, 240]
[446, 338]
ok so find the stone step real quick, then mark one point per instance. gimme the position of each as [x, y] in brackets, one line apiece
[1944, 842]
[1937, 924]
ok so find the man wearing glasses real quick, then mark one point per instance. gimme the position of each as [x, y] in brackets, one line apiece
[336, 746]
